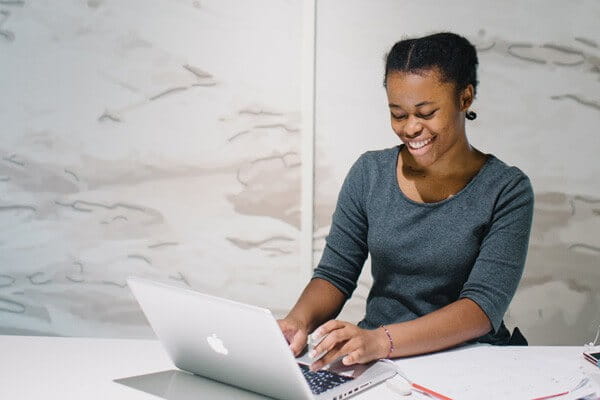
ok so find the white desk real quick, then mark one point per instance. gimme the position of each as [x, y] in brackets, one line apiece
[73, 368]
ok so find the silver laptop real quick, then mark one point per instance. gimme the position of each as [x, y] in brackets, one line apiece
[242, 345]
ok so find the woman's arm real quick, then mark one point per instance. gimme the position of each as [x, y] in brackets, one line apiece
[449, 326]
[319, 302]
[335, 277]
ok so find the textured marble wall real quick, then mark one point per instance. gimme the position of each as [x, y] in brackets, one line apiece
[538, 108]
[155, 138]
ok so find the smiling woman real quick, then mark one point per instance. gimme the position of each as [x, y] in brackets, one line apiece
[431, 83]
[446, 225]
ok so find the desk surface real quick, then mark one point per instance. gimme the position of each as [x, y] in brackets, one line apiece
[76, 368]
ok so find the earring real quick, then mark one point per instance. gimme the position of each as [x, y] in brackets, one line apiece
[471, 115]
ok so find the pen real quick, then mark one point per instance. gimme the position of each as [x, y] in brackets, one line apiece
[581, 384]
[551, 396]
[431, 392]
[416, 386]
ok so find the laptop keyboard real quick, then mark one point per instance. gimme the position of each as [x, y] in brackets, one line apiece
[322, 380]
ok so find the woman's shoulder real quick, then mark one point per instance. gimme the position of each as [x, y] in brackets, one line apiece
[499, 169]
[499, 176]
[372, 168]
[378, 159]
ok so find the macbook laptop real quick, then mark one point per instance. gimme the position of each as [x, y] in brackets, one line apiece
[242, 345]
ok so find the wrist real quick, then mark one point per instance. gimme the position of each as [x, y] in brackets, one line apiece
[387, 342]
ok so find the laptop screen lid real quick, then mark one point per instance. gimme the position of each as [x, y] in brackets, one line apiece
[221, 339]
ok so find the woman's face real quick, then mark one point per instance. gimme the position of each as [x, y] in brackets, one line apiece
[427, 114]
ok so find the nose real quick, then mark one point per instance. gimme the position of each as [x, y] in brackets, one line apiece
[413, 127]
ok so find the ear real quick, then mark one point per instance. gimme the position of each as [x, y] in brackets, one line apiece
[466, 97]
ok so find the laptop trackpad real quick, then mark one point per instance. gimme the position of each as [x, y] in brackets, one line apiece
[179, 385]
[353, 371]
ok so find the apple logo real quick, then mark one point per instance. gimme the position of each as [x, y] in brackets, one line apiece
[217, 344]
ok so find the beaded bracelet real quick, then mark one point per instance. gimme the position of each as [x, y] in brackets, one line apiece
[391, 341]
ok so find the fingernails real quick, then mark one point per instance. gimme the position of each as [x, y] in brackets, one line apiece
[312, 353]
[315, 340]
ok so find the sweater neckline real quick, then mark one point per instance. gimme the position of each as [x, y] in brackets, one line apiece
[477, 176]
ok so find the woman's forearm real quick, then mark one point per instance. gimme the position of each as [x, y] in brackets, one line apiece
[449, 326]
[319, 302]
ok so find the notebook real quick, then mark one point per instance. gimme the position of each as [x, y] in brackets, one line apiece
[241, 345]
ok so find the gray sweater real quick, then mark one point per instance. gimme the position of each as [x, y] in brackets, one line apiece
[427, 255]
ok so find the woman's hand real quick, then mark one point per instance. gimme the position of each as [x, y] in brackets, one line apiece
[295, 333]
[358, 345]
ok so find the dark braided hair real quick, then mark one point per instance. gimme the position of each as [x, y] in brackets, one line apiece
[451, 54]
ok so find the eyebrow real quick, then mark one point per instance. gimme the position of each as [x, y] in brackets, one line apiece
[423, 103]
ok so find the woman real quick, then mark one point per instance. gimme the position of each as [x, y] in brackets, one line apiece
[447, 226]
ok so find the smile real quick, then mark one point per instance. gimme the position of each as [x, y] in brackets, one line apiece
[419, 144]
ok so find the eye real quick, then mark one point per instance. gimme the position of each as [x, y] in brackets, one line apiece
[427, 116]
[398, 117]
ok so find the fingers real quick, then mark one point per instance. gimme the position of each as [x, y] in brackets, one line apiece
[322, 333]
[328, 327]
[336, 352]
[328, 334]
[334, 345]
[287, 329]
[294, 334]
[355, 357]
[357, 346]
[298, 342]
[336, 332]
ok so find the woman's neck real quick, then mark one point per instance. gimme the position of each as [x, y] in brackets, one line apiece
[460, 160]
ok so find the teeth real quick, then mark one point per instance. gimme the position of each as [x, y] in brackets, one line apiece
[418, 145]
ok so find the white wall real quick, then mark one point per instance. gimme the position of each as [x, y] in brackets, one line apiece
[156, 138]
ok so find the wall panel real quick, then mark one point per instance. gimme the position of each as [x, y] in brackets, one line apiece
[155, 138]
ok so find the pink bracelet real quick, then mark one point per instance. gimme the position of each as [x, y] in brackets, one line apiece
[391, 341]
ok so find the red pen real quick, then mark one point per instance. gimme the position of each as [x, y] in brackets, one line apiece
[416, 386]
[551, 396]
[581, 384]
[429, 392]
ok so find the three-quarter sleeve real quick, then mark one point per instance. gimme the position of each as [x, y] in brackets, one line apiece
[346, 245]
[498, 268]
